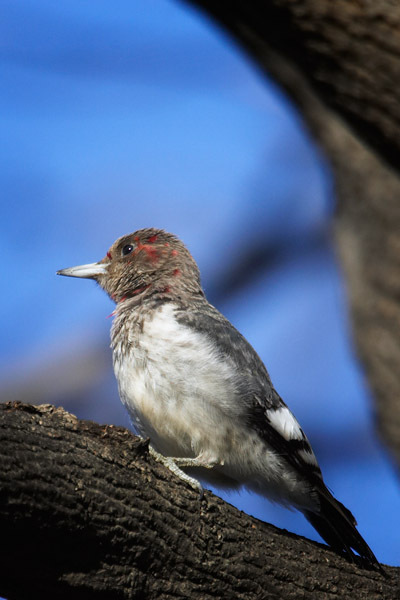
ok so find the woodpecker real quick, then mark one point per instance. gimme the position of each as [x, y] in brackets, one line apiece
[194, 385]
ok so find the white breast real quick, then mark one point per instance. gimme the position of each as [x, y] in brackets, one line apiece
[176, 386]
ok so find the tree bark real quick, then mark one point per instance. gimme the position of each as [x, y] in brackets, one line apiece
[85, 512]
[340, 63]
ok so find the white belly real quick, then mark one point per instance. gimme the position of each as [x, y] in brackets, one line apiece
[176, 388]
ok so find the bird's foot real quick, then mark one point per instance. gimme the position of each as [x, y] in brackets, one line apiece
[174, 464]
[196, 462]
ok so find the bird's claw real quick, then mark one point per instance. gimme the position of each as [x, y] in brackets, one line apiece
[172, 465]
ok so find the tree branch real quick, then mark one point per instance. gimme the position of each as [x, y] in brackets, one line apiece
[340, 63]
[86, 513]
[349, 52]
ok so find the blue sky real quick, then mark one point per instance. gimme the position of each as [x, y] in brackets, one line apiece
[117, 117]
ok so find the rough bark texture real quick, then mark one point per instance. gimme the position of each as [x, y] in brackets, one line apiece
[86, 513]
[340, 63]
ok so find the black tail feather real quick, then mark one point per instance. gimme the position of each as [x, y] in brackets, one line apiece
[337, 526]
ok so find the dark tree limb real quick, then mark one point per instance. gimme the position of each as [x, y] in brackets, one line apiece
[86, 513]
[340, 63]
[349, 52]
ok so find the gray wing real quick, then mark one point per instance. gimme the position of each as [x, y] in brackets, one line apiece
[262, 404]
[332, 520]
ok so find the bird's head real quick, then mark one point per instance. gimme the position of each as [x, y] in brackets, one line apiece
[143, 262]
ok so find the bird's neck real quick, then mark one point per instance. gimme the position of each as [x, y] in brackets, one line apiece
[131, 312]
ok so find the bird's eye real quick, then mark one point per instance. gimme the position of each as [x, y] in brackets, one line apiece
[127, 249]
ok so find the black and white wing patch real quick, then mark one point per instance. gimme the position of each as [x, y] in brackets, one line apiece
[278, 427]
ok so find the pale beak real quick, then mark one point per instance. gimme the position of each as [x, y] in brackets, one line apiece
[90, 271]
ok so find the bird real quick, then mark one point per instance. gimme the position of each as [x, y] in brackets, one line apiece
[198, 390]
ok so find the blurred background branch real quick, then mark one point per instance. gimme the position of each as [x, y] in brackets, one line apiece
[340, 63]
